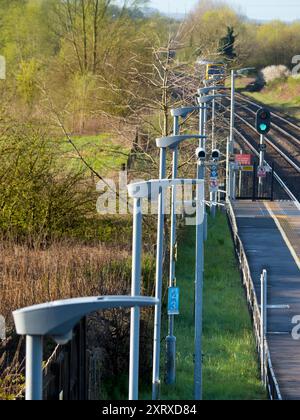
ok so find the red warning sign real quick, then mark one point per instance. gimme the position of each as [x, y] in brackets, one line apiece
[243, 160]
[214, 185]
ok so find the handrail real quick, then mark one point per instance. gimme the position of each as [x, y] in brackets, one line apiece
[271, 380]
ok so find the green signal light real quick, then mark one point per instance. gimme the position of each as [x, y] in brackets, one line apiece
[263, 127]
[263, 121]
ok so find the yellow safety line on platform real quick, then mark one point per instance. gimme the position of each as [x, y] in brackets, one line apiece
[284, 235]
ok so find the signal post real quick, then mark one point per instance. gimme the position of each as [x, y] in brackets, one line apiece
[263, 126]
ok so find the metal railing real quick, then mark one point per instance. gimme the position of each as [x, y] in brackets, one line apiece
[269, 377]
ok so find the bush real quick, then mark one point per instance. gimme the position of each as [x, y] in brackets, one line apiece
[271, 73]
[38, 199]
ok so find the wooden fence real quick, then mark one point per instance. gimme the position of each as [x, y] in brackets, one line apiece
[66, 373]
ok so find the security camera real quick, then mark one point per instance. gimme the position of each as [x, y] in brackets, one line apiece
[216, 154]
[200, 153]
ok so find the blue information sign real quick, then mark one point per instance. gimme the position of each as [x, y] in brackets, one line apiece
[214, 172]
[173, 301]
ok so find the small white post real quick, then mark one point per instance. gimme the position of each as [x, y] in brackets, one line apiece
[233, 176]
[240, 178]
[263, 331]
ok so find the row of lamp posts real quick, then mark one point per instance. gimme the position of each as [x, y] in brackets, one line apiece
[57, 319]
[172, 143]
[204, 98]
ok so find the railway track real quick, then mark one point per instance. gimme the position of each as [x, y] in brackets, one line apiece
[242, 140]
[284, 134]
[287, 121]
[283, 144]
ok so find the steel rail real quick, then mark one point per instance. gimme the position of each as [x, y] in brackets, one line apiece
[277, 127]
[290, 161]
[297, 127]
[277, 177]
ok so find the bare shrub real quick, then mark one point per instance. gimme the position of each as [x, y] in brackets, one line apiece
[271, 73]
[32, 276]
[68, 270]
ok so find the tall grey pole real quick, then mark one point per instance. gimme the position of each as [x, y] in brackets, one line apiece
[213, 195]
[159, 281]
[232, 108]
[199, 274]
[230, 145]
[171, 339]
[228, 190]
[213, 126]
[34, 372]
[202, 123]
[198, 388]
[202, 131]
[204, 118]
[135, 291]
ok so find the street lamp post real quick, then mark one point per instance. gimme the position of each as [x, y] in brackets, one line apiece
[164, 143]
[57, 320]
[230, 142]
[171, 339]
[199, 279]
[200, 236]
[135, 291]
[232, 109]
[158, 285]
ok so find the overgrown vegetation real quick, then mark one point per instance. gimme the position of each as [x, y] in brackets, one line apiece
[89, 86]
[77, 88]
[256, 44]
[230, 358]
[282, 94]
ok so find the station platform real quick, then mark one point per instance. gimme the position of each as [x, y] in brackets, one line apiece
[270, 233]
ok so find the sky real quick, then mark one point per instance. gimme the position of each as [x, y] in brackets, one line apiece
[287, 10]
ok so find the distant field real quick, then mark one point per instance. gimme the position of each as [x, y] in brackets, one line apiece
[101, 152]
[283, 95]
[230, 359]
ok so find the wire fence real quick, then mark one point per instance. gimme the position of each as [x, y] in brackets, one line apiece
[270, 377]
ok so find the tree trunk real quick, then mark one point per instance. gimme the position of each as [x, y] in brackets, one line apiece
[84, 33]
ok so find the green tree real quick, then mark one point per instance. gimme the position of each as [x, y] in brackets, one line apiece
[26, 78]
[227, 44]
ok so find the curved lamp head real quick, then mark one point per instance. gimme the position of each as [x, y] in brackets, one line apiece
[184, 111]
[244, 71]
[172, 142]
[208, 89]
[57, 319]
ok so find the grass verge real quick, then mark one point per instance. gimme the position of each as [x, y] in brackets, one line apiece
[102, 152]
[283, 95]
[230, 360]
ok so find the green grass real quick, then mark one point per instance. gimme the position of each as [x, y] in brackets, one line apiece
[101, 152]
[283, 95]
[230, 360]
